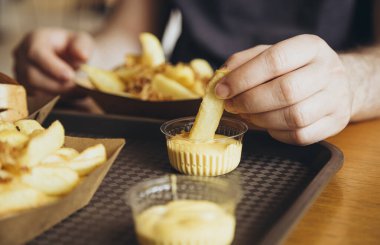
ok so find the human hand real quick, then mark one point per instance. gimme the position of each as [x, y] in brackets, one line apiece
[297, 89]
[46, 59]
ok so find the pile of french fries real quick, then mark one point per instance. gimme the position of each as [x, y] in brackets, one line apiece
[36, 168]
[149, 77]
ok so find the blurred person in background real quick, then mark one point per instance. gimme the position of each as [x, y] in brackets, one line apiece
[301, 69]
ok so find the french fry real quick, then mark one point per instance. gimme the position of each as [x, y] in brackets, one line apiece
[126, 73]
[16, 196]
[152, 52]
[210, 111]
[103, 80]
[198, 88]
[28, 126]
[202, 68]
[132, 60]
[13, 138]
[51, 180]
[89, 159]
[62, 155]
[6, 126]
[34, 167]
[182, 74]
[171, 88]
[42, 145]
[137, 77]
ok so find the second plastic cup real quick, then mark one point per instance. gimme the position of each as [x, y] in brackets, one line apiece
[182, 209]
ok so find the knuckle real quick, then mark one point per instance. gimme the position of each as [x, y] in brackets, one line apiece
[234, 58]
[287, 91]
[313, 39]
[299, 137]
[296, 117]
[275, 61]
[32, 52]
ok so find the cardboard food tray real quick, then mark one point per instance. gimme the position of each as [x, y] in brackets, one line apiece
[20, 227]
[279, 182]
[121, 105]
[40, 107]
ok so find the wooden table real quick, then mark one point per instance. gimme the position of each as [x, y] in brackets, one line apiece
[348, 210]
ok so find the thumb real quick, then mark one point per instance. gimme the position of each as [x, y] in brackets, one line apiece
[81, 47]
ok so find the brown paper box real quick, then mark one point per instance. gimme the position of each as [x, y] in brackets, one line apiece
[40, 107]
[24, 226]
[121, 105]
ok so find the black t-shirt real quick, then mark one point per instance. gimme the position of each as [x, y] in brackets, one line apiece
[215, 29]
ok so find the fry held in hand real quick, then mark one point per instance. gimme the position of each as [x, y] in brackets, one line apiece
[210, 112]
[149, 77]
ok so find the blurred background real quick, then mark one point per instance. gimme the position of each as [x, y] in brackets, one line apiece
[18, 17]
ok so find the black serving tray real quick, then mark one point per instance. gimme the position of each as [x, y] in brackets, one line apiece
[279, 182]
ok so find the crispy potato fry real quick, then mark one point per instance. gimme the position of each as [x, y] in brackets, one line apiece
[16, 196]
[42, 145]
[13, 138]
[210, 111]
[171, 88]
[152, 52]
[62, 155]
[89, 159]
[51, 180]
[132, 60]
[202, 68]
[28, 126]
[35, 170]
[181, 73]
[6, 126]
[103, 80]
[145, 76]
[126, 73]
[198, 88]
[5, 177]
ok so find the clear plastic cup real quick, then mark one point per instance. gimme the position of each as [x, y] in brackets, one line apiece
[215, 157]
[189, 228]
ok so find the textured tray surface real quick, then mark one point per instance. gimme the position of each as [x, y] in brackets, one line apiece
[272, 176]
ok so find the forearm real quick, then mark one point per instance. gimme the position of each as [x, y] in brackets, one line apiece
[363, 71]
[127, 19]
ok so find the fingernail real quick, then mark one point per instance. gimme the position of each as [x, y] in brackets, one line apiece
[222, 91]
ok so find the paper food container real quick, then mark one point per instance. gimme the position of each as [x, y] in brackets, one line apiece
[21, 227]
[122, 105]
[40, 107]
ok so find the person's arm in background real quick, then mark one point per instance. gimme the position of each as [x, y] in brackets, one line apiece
[301, 90]
[46, 59]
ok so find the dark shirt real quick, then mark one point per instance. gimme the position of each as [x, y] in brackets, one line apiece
[215, 29]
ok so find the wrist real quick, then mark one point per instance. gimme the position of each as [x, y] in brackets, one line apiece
[350, 62]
